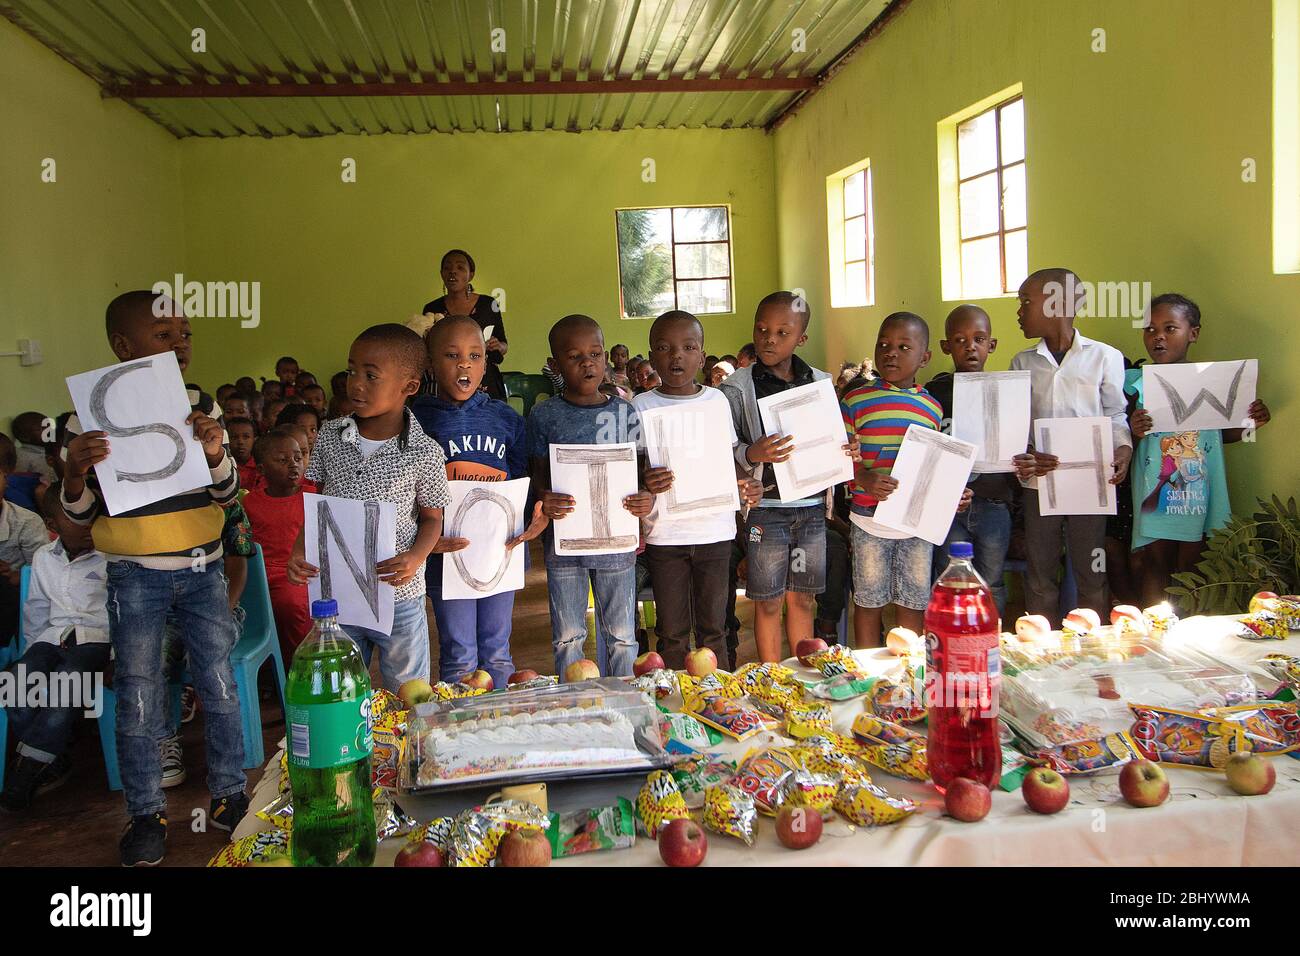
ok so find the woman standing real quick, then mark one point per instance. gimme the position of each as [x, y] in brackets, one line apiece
[461, 299]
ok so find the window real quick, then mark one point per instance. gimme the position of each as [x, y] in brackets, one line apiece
[676, 257]
[851, 236]
[983, 212]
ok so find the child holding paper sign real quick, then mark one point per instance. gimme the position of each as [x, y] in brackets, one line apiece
[1180, 482]
[583, 415]
[164, 558]
[483, 439]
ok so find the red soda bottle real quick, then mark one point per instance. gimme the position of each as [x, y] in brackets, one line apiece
[963, 671]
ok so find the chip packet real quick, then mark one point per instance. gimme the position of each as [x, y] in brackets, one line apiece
[899, 703]
[691, 732]
[809, 789]
[437, 831]
[867, 805]
[840, 687]
[1088, 756]
[1262, 626]
[658, 801]
[807, 720]
[868, 729]
[1186, 739]
[477, 833]
[264, 848]
[1268, 727]
[598, 828]
[697, 775]
[761, 771]
[658, 684]
[737, 717]
[730, 811]
[834, 660]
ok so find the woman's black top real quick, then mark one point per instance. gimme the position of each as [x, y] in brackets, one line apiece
[485, 315]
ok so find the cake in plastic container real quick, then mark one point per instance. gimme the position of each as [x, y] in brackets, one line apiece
[567, 730]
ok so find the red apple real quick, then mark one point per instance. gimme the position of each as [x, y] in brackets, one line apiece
[967, 800]
[1045, 790]
[682, 843]
[526, 847]
[415, 692]
[807, 648]
[422, 853]
[518, 677]
[701, 663]
[646, 663]
[901, 641]
[1261, 601]
[798, 827]
[479, 680]
[581, 670]
[1249, 774]
[1143, 784]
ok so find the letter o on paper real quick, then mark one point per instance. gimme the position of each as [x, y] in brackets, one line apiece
[476, 497]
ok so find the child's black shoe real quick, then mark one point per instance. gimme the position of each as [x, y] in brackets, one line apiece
[145, 841]
[225, 814]
[55, 775]
[21, 784]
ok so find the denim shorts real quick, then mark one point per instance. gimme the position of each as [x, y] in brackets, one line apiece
[891, 571]
[786, 551]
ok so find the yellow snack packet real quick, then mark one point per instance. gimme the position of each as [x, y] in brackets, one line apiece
[659, 800]
[267, 847]
[869, 806]
[730, 811]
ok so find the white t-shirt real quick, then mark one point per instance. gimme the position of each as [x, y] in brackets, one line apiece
[702, 529]
[369, 446]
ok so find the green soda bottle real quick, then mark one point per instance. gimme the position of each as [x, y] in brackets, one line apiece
[330, 742]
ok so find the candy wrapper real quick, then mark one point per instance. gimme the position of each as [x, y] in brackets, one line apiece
[1185, 739]
[869, 806]
[764, 675]
[279, 812]
[541, 680]
[840, 687]
[387, 709]
[1014, 767]
[265, 847]
[836, 659]
[1262, 626]
[761, 772]
[1286, 607]
[904, 759]
[476, 833]
[1269, 728]
[870, 730]
[807, 720]
[1284, 668]
[386, 759]
[687, 730]
[730, 811]
[442, 691]
[898, 703]
[599, 828]
[717, 684]
[736, 717]
[695, 776]
[437, 832]
[658, 684]
[282, 784]
[806, 788]
[390, 820]
[1088, 756]
[835, 754]
[776, 699]
[659, 800]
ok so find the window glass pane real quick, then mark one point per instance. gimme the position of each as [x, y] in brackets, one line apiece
[854, 194]
[704, 296]
[1013, 131]
[1017, 246]
[979, 206]
[977, 149]
[1013, 197]
[695, 262]
[855, 239]
[981, 268]
[700, 224]
[645, 261]
[855, 283]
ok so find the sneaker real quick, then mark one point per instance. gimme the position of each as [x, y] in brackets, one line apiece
[21, 784]
[173, 761]
[144, 841]
[55, 775]
[189, 704]
[225, 814]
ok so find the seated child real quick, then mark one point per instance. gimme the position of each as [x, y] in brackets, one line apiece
[889, 566]
[30, 437]
[22, 534]
[380, 452]
[65, 621]
[286, 373]
[484, 440]
[1179, 480]
[236, 406]
[242, 433]
[314, 396]
[582, 415]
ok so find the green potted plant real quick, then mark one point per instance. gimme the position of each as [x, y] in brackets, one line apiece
[1245, 556]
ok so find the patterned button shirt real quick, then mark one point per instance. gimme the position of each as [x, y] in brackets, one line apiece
[409, 470]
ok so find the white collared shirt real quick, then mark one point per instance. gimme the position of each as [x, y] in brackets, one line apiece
[64, 595]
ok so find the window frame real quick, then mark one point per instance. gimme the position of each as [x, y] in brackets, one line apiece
[837, 222]
[673, 243]
[999, 168]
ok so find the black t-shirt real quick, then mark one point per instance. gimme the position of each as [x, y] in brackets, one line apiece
[486, 315]
[765, 384]
[997, 487]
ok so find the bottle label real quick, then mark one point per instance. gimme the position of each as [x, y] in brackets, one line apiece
[963, 671]
[330, 735]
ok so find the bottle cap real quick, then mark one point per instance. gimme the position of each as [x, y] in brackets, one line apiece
[958, 549]
[329, 608]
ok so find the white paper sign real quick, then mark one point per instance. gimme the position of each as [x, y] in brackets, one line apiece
[693, 439]
[598, 477]
[991, 411]
[346, 539]
[931, 470]
[142, 406]
[1080, 484]
[1194, 396]
[810, 414]
[488, 513]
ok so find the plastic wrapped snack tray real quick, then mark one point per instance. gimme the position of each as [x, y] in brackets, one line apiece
[589, 728]
[1081, 689]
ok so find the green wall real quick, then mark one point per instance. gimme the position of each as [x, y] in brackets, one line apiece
[110, 222]
[1134, 170]
[536, 210]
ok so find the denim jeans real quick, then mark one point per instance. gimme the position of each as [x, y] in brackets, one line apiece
[139, 601]
[986, 525]
[474, 633]
[43, 733]
[787, 551]
[403, 654]
[615, 598]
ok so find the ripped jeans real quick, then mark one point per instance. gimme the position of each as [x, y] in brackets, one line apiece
[140, 600]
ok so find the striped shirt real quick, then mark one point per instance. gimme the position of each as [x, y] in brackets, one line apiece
[876, 415]
[178, 532]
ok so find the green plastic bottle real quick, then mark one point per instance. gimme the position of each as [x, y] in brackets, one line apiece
[330, 742]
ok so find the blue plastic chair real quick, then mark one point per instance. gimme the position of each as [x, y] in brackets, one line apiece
[10, 653]
[258, 644]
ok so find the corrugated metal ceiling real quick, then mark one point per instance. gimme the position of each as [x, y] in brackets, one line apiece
[129, 43]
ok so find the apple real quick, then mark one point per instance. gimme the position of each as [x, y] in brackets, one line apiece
[806, 648]
[646, 663]
[581, 670]
[525, 847]
[682, 843]
[1249, 774]
[518, 677]
[1261, 601]
[414, 692]
[798, 827]
[1143, 784]
[421, 853]
[1082, 620]
[701, 663]
[1033, 628]
[967, 800]
[479, 680]
[902, 641]
[1045, 790]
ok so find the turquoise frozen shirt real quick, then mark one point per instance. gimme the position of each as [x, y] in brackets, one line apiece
[1179, 482]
